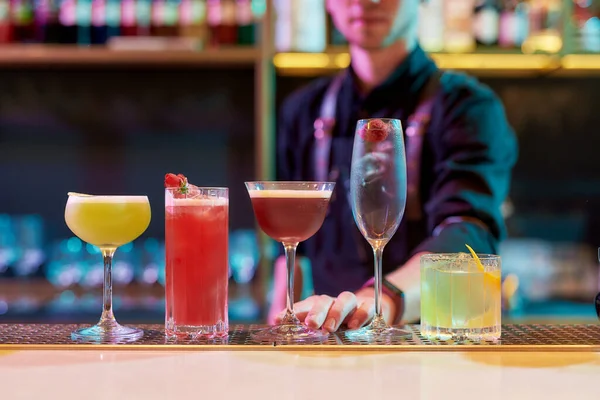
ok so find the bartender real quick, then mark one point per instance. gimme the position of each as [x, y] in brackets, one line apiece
[460, 154]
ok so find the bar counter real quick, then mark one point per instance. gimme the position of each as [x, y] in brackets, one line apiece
[282, 375]
[530, 362]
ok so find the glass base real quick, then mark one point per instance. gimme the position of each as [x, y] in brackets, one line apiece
[376, 332]
[290, 333]
[483, 333]
[289, 330]
[107, 333]
[174, 331]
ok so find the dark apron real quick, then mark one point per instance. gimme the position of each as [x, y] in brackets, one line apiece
[413, 225]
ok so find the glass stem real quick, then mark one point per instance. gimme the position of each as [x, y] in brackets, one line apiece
[107, 317]
[378, 256]
[290, 260]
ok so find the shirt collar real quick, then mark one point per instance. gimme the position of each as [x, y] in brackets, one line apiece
[408, 78]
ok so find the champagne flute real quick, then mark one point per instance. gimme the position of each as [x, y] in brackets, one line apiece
[378, 191]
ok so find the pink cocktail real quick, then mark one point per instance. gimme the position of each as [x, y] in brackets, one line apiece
[196, 233]
[290, 213]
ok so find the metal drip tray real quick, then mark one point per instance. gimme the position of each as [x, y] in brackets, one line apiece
[514, 338]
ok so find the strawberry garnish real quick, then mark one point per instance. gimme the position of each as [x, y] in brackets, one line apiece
[179, 181]
[183, 180]
[374, 131]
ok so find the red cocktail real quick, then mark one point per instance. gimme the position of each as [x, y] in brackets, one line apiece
[290, 215]
[196, 233]
[290, 212]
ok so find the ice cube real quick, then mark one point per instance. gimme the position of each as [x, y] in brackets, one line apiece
[464, 262]
[194, 192]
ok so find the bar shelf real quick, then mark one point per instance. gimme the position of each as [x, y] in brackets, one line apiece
[45, 55]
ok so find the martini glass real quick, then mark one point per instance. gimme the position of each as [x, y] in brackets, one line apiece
[107, 222]
[378, 190]
[290, 213]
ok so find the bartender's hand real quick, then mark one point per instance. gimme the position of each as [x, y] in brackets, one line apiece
[350, 309]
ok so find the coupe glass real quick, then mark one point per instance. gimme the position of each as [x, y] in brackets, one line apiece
[378, 196]
[107, 222]
[290, 213]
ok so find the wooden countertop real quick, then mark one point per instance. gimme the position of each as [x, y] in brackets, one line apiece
[283, 375]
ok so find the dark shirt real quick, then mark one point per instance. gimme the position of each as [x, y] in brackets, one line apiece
[468, 154]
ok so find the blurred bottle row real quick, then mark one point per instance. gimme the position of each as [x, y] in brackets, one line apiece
[69, 262]
[551, 271]
[454, 25]
[209, 23]
[301, 25]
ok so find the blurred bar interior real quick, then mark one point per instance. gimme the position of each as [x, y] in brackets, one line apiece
[106, 96]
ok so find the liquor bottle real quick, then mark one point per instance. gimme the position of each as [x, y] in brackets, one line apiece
[143, 12]
[221, 22]
[192, 20]
[22, 21]
[514, 21]
[544, 27]
[228, 22]
[164, 18]
[431, 25]
[112, 18]
[128, 18]
[68, 19]
[47, 23]
[554, 17]
[158, 10]
[301, 25]
[537, 17]
[99, 28]
[84, 22]
[590, 41]
[521, 22]
[6, 29]
[213, 21]
[171, 19]
[41, 10]
[284, 31]
[458, 26]
[486, 21]
[507, 29]
[310, 26]
[259, 8]
[586, 22]
[246, 24]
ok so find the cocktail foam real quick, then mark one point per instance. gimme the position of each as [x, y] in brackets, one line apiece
[290, 194]
[204, 202]
[88, 198]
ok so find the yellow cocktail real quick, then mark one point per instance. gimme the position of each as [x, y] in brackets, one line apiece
[461, 297]
[107, 222]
